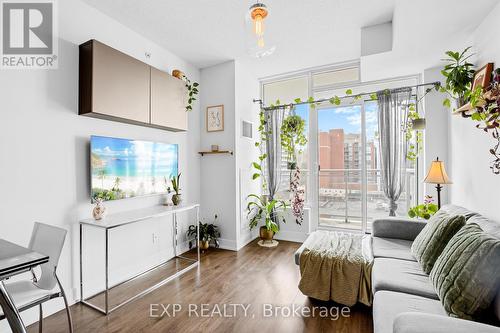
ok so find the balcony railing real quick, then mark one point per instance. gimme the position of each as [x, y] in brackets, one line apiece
[341, 197]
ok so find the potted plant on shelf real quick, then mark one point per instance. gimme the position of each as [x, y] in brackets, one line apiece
[425, 210]
[269, 211]
[458, 73]
[292, 135]
[209, 233]
[176, 198]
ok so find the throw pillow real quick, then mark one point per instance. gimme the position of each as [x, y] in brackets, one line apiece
[466, 275]
[433, 238]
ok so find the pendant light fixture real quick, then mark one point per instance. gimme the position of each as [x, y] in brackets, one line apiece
[258, 42]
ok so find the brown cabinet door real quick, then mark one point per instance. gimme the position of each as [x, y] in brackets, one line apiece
[168, 95]
[120, 86]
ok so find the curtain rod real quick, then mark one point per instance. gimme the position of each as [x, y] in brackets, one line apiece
[435, 84]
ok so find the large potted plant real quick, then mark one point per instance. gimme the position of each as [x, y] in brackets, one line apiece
[269, 211]
[292, 135]
[209, 234]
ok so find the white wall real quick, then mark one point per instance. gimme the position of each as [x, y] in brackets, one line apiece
[226, 180]
[247, 88]
[44, 143]
[475, 187]
[436, 134]
[218, 172]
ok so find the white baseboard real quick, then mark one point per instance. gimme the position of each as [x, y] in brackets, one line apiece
[291, 236]
[247, 238]
[228, 244]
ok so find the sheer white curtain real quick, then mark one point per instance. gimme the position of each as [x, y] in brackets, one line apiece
[392, 119]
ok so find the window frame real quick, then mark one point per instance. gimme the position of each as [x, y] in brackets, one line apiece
[312, 183]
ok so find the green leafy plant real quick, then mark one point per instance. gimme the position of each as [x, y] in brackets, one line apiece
[458, 73]
[269, 211]
[209, 232]
[175, 180]
[192, 88]
[484, 101]
[292, 135]
[425, 210]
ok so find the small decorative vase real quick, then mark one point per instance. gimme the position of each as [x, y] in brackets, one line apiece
[266, 235]
[204, 245]
[176, 199]
[178, 74]
[99, 210]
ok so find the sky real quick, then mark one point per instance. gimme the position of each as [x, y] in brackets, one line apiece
[346, 117]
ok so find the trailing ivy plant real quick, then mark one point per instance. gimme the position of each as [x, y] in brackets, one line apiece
[487, 114]
[192, 88]
[415, 147]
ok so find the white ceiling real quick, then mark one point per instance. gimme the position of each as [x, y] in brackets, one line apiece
[307, 33]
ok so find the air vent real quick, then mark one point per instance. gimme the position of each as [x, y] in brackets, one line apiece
[247, 129]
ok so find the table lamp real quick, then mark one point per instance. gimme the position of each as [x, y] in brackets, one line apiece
[437, 175]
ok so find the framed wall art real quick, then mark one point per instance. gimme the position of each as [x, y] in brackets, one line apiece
[215, 118]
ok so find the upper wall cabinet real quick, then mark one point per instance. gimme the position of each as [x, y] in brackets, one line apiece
[167, 93]
[115, 86]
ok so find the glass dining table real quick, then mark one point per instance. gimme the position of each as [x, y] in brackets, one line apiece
[14, 260]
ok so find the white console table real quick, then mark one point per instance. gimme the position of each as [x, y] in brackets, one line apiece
[134, 216]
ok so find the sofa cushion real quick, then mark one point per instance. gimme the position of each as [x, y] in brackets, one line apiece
[387, 305]
[431, 241]
[458, 210]
[415, 322]
[401, 276]
[466, 275]
[489, 226]
[392, 248]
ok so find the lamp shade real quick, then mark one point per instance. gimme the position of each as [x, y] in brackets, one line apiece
[437, 173]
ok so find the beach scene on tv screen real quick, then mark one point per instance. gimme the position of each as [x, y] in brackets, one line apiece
[124, 168]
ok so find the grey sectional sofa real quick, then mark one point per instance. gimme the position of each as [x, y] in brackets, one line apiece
[404, 298]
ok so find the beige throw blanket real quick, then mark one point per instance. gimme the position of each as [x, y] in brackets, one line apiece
[337, 266]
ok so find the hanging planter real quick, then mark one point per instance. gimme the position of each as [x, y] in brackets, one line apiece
[292, 135]
[418, 124]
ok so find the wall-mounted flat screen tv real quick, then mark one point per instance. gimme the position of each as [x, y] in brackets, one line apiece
[122, 168]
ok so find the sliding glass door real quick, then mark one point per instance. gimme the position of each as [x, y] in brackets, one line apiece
[341, 166]
[350, 195]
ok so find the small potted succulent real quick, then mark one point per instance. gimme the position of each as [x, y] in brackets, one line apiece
[209, 234]
[176, 198]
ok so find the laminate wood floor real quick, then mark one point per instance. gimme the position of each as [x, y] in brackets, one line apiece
[258, 278]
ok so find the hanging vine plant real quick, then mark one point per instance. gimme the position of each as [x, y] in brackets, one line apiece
[292, 138]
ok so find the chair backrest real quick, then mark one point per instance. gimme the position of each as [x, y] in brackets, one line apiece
[48, 240]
